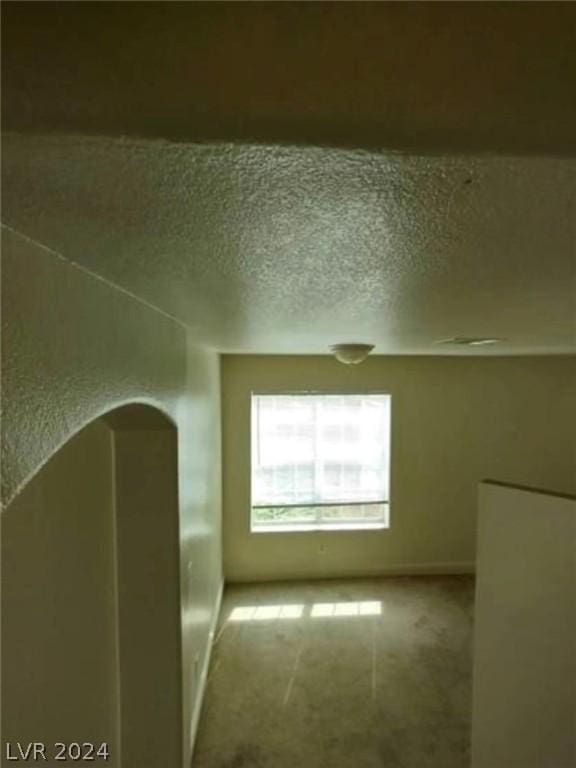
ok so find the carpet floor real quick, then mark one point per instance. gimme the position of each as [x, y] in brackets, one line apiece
[371, 673]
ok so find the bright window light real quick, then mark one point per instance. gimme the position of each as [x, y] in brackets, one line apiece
[317, 611]
[370, 608]
[320, 461]
[346, 609]
[335, 610]
[242, 614]
[266, 612]
[322, 609]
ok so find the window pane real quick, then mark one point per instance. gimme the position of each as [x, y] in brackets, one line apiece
[347, 514]
[280, 515]
[320, 449]
[360, 513]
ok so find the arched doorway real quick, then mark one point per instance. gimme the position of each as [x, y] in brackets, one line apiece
[91, 641]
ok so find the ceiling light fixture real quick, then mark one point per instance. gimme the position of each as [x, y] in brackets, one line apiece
[351, 354]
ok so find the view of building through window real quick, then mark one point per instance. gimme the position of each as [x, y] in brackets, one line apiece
[320, 460]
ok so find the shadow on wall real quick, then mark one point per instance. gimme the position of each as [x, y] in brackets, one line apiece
[91, 646]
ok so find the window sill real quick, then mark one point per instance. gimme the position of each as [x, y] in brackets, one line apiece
[319, 527]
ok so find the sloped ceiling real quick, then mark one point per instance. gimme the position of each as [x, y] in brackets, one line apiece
[268, 249]
[169, 148]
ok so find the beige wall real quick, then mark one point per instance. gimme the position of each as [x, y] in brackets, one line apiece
[455, 421]
[149, 635]
[75, 347]
[59, 651]
[524, 703]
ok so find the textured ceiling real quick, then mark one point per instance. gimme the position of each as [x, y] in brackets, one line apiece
[268, 249]
[455, 76]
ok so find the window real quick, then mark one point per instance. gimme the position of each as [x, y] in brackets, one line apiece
[320, 461]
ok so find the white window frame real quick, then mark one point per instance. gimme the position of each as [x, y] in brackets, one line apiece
[318, 524]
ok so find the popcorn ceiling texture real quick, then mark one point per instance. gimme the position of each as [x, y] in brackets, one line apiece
[285, 249]
[268, 248]
[74, 348]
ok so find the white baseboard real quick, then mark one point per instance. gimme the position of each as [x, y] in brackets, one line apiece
[400, 569]
[204, 672]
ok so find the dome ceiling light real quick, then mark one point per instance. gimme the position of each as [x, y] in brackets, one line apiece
[351, 354]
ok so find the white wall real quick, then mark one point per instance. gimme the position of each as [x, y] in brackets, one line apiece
[455, 421]
[145, 474]
[75, 347]
[59, 652]
[524, 709]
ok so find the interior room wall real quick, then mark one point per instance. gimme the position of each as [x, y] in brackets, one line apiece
[59, 651]
[524, 702]
[75, 347]
[455, 421]
[147, 570]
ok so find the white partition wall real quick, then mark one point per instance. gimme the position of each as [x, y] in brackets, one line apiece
[524, 705]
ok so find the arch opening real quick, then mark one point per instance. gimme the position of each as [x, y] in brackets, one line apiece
[91, 636]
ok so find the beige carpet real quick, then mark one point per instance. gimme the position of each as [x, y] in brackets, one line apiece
[341, 674]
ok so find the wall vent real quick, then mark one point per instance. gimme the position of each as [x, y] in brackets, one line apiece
[469, 341]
